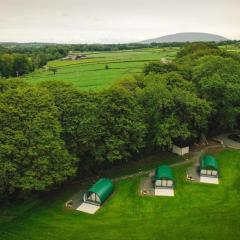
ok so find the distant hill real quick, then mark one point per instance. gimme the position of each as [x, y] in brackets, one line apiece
[187, 37]
[25, 45]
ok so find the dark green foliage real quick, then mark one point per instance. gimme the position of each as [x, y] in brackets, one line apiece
[159, 68]
[217, 79]
[79, 117]
[32, 155]
[171, 80]
[45, 131]
[39, 60]
[6, 84]
[104, 127]
[196, 94]
[6, 65]
[173, 110]
[188, 56]
[216, 76]
[14, 65]
[124, 121]
[21, 65]
[20, 60]
[201, 48]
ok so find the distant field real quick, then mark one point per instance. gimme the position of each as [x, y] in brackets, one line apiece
[231, 48]
[91, 73]
[198, 211]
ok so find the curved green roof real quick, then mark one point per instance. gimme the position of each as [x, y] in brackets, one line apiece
[163, 172]
[209, 162]
[103, 188]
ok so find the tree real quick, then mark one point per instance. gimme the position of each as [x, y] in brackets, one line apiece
[159, 68]
[188, 56]
[99, 127]
[217, 79]
[32, 155]
[170, 79]
[21, 65]
[80, 119]
[7, 84]
[53, 69]
[6, 65]
[14, 65]
[196, 48]
[39, 60]
[173, 112]
[129, 83]
[124, 121]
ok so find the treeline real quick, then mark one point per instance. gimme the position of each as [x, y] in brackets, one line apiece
[21, 60]
[33, 47]
[53, 131]
[38, 47]
[132, 46]
[17, 59]
[211, 75]
[13, 65]
[119, 47]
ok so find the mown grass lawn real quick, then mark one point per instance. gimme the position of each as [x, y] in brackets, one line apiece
[198, 211]
[91, 73]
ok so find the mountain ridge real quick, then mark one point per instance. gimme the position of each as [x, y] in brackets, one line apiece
[187, 37]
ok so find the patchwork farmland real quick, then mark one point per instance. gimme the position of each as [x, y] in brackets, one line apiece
[101, 69]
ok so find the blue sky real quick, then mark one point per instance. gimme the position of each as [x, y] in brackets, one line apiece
[111, 21]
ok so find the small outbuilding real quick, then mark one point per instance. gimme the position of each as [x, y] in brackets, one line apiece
[180, 150]
[180, 147]
[163, 182]
[96, 195]
[209, 170]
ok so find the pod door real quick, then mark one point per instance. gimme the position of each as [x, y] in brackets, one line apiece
[91, 197]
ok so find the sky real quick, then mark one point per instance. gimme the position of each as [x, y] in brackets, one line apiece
[112, 21]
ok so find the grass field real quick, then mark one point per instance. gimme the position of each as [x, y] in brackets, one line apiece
[231, 48]
[91, 73]
[198, 211]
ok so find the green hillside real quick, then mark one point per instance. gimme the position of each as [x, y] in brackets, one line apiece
[90, 73]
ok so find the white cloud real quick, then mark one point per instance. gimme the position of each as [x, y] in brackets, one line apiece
[114, 21]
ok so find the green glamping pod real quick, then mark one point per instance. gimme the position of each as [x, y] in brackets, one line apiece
[209, 170]
[99, 192]
[163, 177]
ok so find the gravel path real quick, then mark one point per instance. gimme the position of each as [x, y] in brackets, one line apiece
[146, 182]
[228, 142]
[195, 159]
[140, 173]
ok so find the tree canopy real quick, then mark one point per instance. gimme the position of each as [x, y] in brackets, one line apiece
[173, 110]
[33, 156]
[105, 127]
[53, 131]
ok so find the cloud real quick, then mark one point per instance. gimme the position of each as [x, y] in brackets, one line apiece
[114, 21]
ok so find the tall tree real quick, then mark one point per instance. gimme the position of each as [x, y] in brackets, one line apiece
[21, 65]
[173, 112]
[99, 127]
[6, 65]
[124, 120]
[32, 155]
[217, 79]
